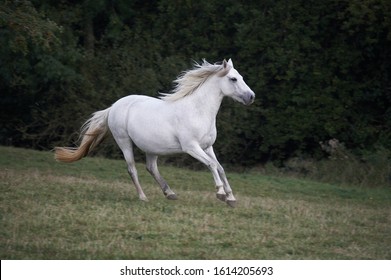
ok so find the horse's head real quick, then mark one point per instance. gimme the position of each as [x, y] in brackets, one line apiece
[233, 85]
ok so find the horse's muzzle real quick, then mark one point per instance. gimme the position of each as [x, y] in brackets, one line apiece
[248, 98]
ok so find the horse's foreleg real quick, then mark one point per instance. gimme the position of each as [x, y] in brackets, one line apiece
[224, 191]
[154, 171]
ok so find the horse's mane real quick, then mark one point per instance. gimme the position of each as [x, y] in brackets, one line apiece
[190, 80]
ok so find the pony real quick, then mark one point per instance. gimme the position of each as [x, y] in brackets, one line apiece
[182, 121]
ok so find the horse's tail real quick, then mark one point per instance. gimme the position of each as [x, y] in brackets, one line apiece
[92, 134]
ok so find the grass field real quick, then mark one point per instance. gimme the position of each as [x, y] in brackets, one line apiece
[90, 210]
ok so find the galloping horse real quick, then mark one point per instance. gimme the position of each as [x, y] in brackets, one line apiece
[183, 121]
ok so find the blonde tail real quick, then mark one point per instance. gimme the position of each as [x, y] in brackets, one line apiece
[92, 132]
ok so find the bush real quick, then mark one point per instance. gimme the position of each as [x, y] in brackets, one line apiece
[364, 169]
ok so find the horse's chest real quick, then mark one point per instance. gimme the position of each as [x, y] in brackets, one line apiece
[200, 130]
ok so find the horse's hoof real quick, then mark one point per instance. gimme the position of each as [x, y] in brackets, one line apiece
[221, 196]
[231, 203]
[172, 196]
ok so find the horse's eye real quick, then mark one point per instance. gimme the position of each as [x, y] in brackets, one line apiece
[233, 79]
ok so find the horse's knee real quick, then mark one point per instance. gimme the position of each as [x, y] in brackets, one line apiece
[213, 166]
[220, 169]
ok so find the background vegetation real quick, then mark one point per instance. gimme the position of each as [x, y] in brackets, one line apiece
[90, 210]
[320, 70]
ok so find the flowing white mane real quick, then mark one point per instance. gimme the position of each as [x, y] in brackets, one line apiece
[190, 80]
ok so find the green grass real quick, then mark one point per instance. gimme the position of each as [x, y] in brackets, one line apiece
[90, 210]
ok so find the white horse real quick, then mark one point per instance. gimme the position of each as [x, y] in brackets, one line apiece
[181, 122]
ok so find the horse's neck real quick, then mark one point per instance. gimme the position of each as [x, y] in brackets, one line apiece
[206, 100]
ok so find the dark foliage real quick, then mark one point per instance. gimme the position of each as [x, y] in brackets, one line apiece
[320, 69]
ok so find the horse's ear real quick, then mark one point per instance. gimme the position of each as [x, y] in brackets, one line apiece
[230, 63]
[225, 63]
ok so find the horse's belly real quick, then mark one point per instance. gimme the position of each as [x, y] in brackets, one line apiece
[153, 133]
[156, 144]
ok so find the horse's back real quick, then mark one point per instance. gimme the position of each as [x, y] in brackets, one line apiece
[130, 100]
[120, 109]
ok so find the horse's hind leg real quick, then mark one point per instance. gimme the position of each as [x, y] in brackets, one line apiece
[127, 149]
[152, 168]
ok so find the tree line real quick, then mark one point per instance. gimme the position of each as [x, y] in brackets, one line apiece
[320, 69]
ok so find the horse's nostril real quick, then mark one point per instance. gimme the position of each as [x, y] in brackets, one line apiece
[251, 97]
